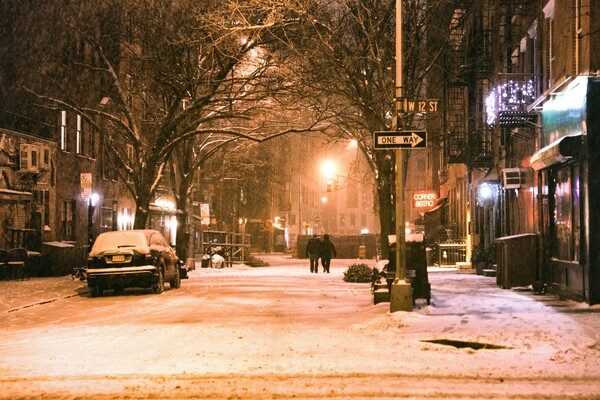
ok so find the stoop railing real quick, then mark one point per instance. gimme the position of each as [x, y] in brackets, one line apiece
[452, 252]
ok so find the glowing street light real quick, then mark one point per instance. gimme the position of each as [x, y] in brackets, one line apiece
[328, 167]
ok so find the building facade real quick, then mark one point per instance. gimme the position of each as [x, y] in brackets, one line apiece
[27, 190]
[519, 153]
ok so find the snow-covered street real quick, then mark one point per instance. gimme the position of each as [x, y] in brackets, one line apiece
[281, 332]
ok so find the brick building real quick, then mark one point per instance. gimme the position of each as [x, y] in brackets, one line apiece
[521, 102]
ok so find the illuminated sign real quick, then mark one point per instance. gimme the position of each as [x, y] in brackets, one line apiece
[424, 200]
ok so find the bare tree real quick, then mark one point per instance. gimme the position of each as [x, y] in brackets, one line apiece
[171, 72]
[349, 50]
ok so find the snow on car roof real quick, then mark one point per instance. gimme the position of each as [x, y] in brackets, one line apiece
[120, 239]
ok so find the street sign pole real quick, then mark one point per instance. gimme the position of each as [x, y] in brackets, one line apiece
[401, 293]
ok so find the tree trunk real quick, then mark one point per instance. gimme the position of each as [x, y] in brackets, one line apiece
[142, 205]
[183, 230]
[385, 178]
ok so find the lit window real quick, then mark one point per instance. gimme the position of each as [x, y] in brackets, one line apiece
[78, 137]
[63, 130]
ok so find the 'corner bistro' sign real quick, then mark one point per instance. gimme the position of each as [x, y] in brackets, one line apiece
[424, 199]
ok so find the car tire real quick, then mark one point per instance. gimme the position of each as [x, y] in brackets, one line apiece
[96, 291]
[159, 286]
[175, 283]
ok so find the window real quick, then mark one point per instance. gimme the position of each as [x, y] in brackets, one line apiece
[79, 136]
[106, 218]
[578, 36]
[68, 219]
[42, 199]
[63, 130]
[125, 219]
[550, 42]
[92, 142]
[566, 216]
[551, 49]
[34, 157]
[45, 157]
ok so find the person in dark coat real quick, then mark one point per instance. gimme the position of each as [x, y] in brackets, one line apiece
[327, 252]
[313, 251]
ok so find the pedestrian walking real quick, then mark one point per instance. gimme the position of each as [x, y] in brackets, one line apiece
[327, 252]
[313, 250]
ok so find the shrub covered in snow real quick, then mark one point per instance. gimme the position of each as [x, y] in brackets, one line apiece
[360, 273]
[256, 262]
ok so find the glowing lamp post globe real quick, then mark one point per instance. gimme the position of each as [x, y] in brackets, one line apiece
[486, 193]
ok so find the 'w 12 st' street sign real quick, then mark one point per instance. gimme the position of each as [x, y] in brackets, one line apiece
[400, 140]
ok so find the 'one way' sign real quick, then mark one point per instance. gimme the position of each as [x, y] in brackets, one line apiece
[400, 140]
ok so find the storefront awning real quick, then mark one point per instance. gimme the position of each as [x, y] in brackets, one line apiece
[559, 151]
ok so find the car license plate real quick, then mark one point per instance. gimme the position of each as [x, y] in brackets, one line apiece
[119, 258]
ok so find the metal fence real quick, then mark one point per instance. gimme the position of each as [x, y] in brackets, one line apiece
[450, 253]
[232, 246]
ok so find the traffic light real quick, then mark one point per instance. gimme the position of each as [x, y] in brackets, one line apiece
[329, 185]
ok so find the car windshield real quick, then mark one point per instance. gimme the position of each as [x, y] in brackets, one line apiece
[121, 239]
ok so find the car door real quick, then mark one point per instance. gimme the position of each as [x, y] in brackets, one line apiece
[167, 254]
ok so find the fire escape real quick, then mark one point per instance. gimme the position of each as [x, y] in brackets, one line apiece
[515, 88]
[469, 140]
[456, 100]
[472, 62]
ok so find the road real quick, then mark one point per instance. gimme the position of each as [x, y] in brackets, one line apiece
[282, 332]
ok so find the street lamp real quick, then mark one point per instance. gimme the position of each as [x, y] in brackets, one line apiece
[400, 293]
[328, 167]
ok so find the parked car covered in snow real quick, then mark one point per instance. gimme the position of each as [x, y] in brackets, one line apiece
[134, 258]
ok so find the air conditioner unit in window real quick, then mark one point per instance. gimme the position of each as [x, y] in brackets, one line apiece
[511, 178]
[28, 158]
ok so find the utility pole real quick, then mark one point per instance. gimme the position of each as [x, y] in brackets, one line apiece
[401, 293]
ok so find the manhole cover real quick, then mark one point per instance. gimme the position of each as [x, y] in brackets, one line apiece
[459, 344]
